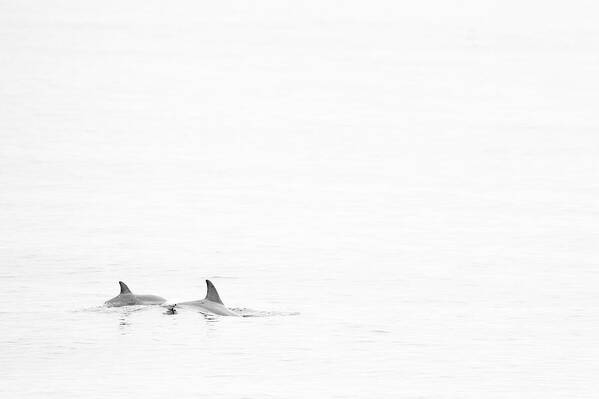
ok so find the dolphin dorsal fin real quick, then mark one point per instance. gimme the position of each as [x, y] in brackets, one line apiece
[124, 288]
[212, 294]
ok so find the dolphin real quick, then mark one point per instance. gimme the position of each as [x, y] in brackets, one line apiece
[211, 304]
[126, 298]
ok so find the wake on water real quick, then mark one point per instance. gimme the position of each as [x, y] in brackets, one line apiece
[243, 312]
[173, 310]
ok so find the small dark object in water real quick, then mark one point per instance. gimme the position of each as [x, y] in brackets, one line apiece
[171, 309]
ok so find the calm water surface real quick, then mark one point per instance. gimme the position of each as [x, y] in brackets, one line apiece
[406, 198]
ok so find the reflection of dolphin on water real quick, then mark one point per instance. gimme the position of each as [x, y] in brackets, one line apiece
[211, 304]
[126, 298]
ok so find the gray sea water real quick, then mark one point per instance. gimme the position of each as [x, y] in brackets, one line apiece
[405, 196]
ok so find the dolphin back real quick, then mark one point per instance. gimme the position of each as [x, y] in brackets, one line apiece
[149, 300]
[127, 298]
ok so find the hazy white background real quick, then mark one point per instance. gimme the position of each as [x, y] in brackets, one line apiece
[418, 180]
